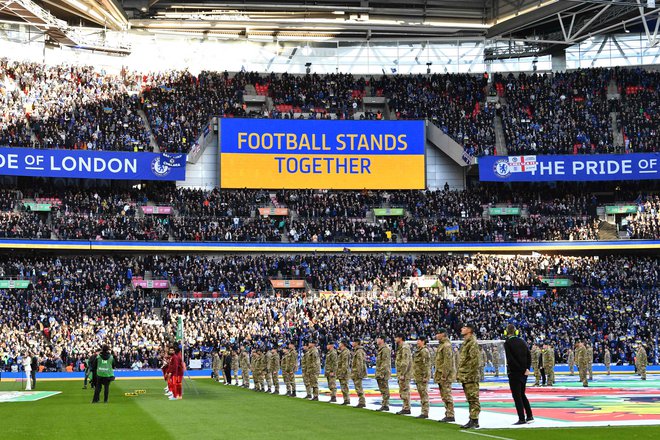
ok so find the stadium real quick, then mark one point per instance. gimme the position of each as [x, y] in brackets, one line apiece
[298, 219]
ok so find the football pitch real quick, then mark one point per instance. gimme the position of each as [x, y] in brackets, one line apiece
[217, 411]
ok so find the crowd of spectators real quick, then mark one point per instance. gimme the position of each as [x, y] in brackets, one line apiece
[541, 213]
[24, 225]
[454, 102]
[645, 224]
[179, 105]
[560, 113]
[639, 109]
[75, 107]
[74, 304]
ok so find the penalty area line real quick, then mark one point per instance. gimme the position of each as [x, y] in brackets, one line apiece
[485, 435]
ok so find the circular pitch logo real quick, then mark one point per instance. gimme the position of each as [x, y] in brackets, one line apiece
[502, 168]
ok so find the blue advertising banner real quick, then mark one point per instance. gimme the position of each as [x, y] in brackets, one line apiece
[635, 166]
[85, 164]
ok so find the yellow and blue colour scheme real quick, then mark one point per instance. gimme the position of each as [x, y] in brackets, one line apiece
[325, 154]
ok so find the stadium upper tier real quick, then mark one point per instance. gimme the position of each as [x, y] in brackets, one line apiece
[486, 214]
[582, 112]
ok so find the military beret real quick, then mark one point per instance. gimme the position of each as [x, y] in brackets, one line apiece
[469, 325]
[421, 338]
[441, 330]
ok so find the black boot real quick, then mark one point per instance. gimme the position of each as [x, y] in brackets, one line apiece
[472, 424]
[447, 420]
[404, 412]
[333, 399]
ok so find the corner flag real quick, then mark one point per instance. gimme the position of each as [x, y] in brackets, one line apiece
[179, 328]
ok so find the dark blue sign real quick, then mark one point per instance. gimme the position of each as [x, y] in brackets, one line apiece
[322, 137]
[636, 166]
[85, 164]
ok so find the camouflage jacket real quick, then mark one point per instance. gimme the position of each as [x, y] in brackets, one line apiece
[403, 361]
[384, 362]
[422, 365]
[469, 361]
[331, 360]
[359, 365]
[444, 363]
[344, 364]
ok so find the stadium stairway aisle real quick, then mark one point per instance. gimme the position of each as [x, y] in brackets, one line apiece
[152, 138]
[607, 231]
[500, 140]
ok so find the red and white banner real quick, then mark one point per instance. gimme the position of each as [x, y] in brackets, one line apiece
[151, 284]
[157, 210]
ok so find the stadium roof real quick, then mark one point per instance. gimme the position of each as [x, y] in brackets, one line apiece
[540, 24]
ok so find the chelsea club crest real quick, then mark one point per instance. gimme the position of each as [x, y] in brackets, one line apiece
[160, 168]
[502, 168]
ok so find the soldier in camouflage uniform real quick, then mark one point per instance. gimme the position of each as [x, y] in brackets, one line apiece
[304, 363]
[607, 360]
[536, 356]
[496, 360]
[289, 367]
[549, 363]
[268, 363]
[244, 363]
[344, 370]
[590, 356]
[582, 363]
[330, 370]
[641, 361]
[482, 364]
[383, 372]
[234, 365]
[444, 373]
[422, 374]
[313, 368]
[403, 365]
[216, 366]
[359, 372]
[275, 371]
[570, 357]
[257, 370]
[468, 374]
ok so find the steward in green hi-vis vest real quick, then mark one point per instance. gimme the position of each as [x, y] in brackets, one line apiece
[104, 367]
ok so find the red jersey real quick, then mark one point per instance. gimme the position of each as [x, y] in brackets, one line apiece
[176, 365]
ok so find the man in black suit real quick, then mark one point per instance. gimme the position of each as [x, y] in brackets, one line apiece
[34, 364]
[519, 361]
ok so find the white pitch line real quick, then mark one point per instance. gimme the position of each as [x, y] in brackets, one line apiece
[485, 435]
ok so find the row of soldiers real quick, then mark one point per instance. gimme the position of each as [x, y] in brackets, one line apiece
[543, 362]
[348, 362]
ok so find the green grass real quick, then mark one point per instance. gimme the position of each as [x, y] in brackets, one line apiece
[220, 412]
